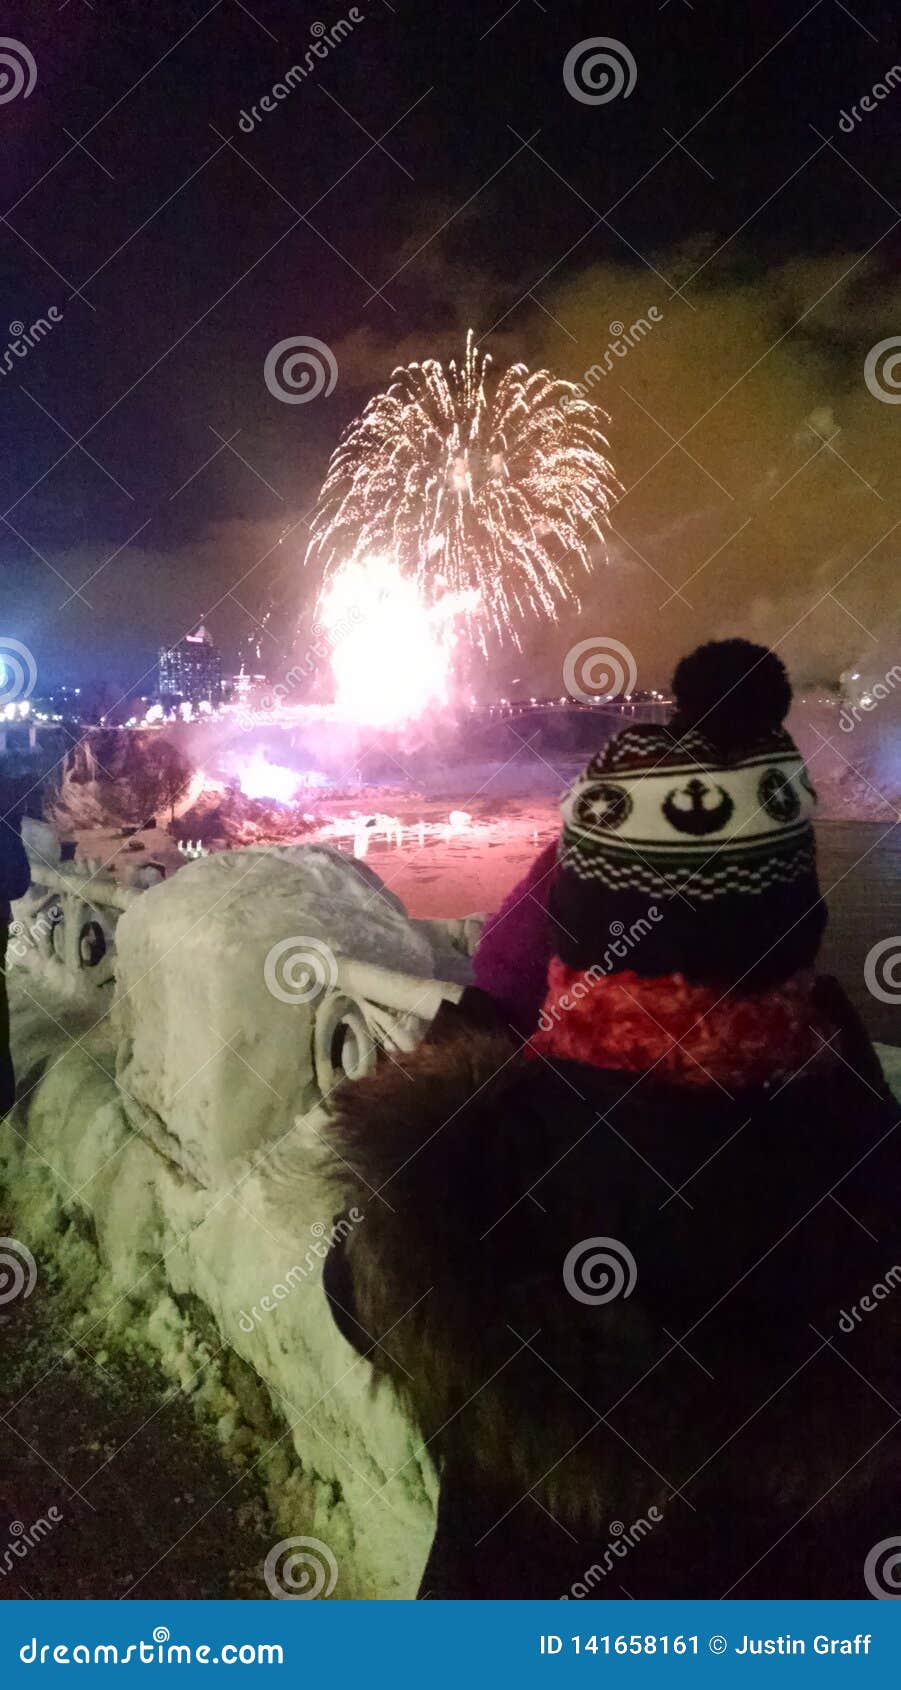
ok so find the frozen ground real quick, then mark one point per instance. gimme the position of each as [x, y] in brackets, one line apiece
[84, 1441]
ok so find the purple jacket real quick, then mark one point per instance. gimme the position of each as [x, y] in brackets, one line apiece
[511, 959]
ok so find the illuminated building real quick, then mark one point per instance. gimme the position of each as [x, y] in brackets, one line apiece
[191, 670]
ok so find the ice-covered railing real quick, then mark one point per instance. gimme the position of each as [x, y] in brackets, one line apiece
[71, 912]
[69, 915]
[253, 982]
[250, 984]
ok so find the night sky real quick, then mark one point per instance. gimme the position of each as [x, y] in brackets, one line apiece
[432, 172]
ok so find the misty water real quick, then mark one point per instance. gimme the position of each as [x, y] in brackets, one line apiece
[860, 873]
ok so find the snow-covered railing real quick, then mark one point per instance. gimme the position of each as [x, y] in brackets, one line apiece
[253, 982]
[69, 917]
[371, 1008]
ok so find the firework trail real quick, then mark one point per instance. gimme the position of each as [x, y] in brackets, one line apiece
[470, 481]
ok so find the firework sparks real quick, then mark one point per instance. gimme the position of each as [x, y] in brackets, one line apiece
[473, 484]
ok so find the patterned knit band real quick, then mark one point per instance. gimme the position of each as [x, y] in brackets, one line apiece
[655, 813]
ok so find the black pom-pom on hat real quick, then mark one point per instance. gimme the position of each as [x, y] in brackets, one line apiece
[732, 691]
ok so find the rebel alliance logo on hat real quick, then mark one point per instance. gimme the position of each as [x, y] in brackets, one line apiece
[698, 808]
[764, 799]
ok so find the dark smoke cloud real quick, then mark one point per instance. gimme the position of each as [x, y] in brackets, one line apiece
[751, 375]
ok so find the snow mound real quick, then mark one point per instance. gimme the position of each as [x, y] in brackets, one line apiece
[219, 974]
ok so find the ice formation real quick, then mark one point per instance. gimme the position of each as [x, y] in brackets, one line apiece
[214, 1056]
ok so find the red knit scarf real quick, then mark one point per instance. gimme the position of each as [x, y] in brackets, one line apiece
[690, 1035]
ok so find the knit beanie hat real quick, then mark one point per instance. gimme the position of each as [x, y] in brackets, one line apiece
[689, 848]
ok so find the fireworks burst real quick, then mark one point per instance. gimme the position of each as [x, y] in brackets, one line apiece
[391, 653]
[498, 485]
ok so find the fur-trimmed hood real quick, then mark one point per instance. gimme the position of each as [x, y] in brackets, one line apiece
[582, 1284]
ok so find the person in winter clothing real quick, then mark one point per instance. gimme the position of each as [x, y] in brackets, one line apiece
[15, 878]
[510, 960]
[617, 1274]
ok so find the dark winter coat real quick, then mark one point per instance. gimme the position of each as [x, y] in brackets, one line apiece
[726, 1424]
[15, 876]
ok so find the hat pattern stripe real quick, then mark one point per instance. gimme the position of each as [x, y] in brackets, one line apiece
[705, 884]
[750, 843]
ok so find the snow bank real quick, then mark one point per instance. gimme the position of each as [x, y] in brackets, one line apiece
[167, 1169]
[217, 979]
